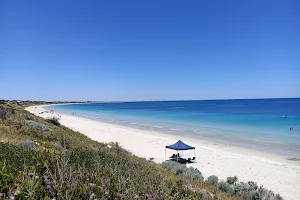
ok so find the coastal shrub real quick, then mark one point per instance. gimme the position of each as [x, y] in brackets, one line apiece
[246, 192]
[232, 179]
[169, 165]
[253, 185]
[192, 173]
[182, 170]
[241, 187]
[2, 101]
[84, 174]
[178, 169]
[263, 193]
[278, 197]
[212, 180]
[27, 145]
[225, 187]
[3, 112]
[53, 121]
[248, 195]
[37, 125]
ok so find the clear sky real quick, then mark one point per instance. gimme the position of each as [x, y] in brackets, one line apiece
[149, 49]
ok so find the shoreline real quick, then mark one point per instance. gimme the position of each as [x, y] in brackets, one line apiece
[273, 171]
[263, 139]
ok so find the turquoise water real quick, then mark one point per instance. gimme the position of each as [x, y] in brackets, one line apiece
[252, 123]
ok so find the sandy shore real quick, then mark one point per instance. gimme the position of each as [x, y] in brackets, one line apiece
[273, 171]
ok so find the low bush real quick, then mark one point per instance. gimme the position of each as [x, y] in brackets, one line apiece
[264, 193]
[182, 170]
[226, 187]
[169, 165]
[192, 173]
[27, 145]
[3, 112]
[37, 125]
[247, 191]
[212, 180]
[232, 179]
[241, 187]
[53, 121]
[83, 174]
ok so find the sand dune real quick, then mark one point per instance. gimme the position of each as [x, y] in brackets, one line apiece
[273, 171]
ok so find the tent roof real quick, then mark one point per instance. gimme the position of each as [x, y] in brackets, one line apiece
[180, 146]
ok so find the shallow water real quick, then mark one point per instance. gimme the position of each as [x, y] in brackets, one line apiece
[254, 123]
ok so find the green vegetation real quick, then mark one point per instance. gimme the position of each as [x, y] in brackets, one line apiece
[53, 121]
[182, 170]
[245, 191]
[232, 180]
[41, 159]
[212, 180]
[27, 145]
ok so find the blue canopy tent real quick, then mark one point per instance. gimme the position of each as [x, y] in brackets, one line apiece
[179, 146]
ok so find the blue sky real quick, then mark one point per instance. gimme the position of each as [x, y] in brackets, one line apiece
[149, 50]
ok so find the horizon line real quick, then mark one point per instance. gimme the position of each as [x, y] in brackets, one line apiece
[115, 101]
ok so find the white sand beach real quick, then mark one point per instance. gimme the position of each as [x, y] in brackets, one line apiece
[273, 171]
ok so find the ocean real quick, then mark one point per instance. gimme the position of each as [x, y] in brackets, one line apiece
[251, 123]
